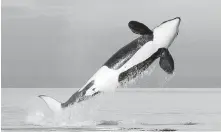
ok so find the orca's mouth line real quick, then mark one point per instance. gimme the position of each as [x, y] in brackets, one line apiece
[172, 20]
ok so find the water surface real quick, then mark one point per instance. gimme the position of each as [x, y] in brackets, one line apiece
[127, 109]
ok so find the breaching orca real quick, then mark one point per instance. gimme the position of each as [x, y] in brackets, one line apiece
[128, 62]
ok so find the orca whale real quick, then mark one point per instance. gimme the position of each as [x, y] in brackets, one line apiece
[128, 62]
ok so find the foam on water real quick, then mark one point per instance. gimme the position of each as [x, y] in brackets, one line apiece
[85, 114]
[80, 114]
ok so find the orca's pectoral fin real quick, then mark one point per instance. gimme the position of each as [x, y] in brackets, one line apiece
[166, 61]
[139, 28]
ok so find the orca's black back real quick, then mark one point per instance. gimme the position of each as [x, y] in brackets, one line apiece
[126, 52]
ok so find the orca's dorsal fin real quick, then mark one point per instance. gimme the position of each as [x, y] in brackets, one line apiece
[166, 61]
[139, 28]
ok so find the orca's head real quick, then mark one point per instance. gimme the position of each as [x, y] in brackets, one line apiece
[166, 32]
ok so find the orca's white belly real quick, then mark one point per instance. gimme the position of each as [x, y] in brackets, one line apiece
[106, 80]
[141, 55]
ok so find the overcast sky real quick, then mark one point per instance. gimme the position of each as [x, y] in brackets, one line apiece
[57, 43]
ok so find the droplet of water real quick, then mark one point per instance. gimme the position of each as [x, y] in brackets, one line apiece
[167, 78]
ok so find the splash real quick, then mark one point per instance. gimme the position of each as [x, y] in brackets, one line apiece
[81, 114]
[167, 78]
[139, 76]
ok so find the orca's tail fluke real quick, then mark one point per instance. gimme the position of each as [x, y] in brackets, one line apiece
[53, 104]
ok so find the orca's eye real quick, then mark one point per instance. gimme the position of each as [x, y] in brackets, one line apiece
[93, 89]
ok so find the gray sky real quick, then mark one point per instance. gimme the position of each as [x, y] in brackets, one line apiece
[62, 43]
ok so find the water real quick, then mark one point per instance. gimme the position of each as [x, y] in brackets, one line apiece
[127, 109]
